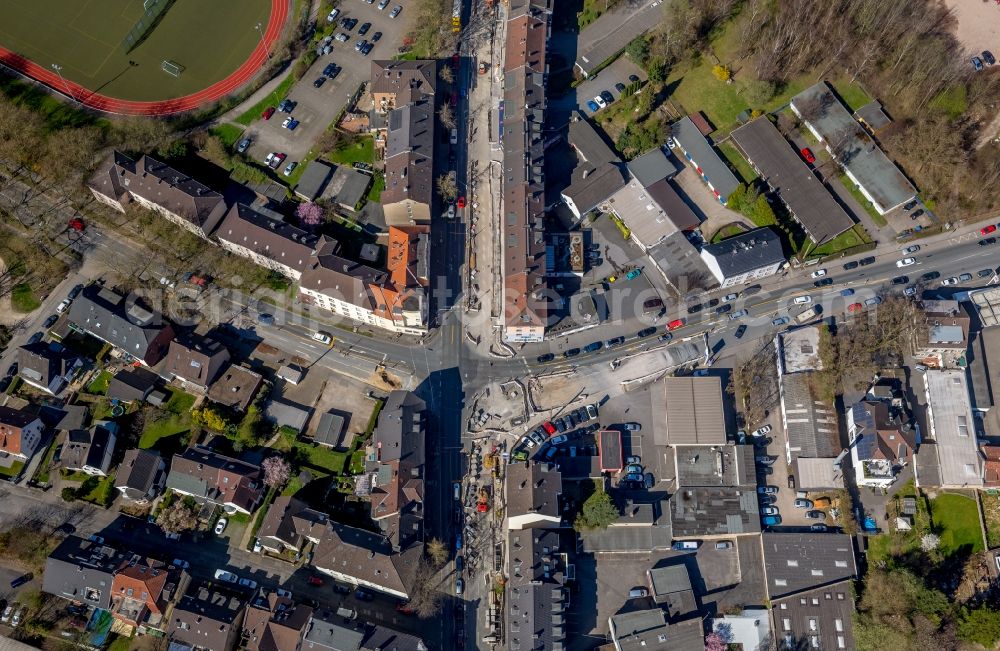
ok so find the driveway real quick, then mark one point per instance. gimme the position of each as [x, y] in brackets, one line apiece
[616, 73]
[317, 107]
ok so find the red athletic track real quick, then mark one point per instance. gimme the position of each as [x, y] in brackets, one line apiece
[215, 92]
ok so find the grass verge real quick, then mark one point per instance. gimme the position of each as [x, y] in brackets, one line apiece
[276, 95]
[955, 518]
[23, 299]
[879, 220]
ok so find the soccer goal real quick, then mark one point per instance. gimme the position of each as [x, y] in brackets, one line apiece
[172, 68]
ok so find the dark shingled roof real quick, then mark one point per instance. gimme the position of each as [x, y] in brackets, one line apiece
[802, 561]
[788, 175]
[747, 251]
[125, 324]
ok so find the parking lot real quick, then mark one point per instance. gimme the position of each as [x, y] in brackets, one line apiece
[317, 107]
[608, 79]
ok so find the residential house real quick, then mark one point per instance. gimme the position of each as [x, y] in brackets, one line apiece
[522, 140]
[700, 153]
[941, 335]
[744, 258]
[817, 619]
[395, 465]
[142, 591]
[366, 560]
[207, 618]
[207, 476]
[984, 376]
[792, 180]
[864, 163]
[327, 632]
[274, 623]
[642, 630]
[536, 591]
[47, 367]
[236, 387]
[20, 433]
[90, 450]
[599, 172]
[135, 332]
[82, 571]
[396, 83]
[141, 475]
[195, 362]
[132, 385]
[160, 188]
[289, 524]
[949, 455]
[883, 441]
[393, 300]
[266, 240]
[533, 491]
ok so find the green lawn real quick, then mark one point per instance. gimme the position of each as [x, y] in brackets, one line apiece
[99, 385]
[278, 94]
[360, 151]
[163, 428]
[13, 471]
[727, 231]
[179, 403]
[42, 476]
[229, 134]
[853, 95]
[860, 198]
[209, 39]
[853, 237]
[23, 299]
[321, 456]
[955, 518]
[743, 169]
[376, 188]
[98, 490]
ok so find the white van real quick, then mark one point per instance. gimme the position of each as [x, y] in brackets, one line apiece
[332, 16]
[454, 137]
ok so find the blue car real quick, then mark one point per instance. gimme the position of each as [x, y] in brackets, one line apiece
[847, 292]
[592, 105]
[771, 520]
[458, 542]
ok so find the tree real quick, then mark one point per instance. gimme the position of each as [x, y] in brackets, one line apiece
[447, 117]
[981, 625]
[276, 471]
[426, 598]
[178, 516]
[446, 74]
[759, 92]
[248, 433]
[68, 494]
[447, 186]
[638, 50]
[437, 551]
[310, 214]
[721, 72]
[929, 542]
[211, 418]
[598, 512]
[714, 642]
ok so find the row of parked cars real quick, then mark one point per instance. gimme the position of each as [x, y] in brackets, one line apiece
[557, 428]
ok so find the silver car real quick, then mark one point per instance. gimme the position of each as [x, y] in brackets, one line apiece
[395, 11]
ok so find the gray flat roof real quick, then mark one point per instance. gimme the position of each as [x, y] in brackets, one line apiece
[715, 511]
[694, 410]
[803, 561]
[715, 465]
[789, 176]
[854, 149]
[652, 166]
[313, 180]
[953, 428]
[747, 251]
[699, 151]
[811, 424]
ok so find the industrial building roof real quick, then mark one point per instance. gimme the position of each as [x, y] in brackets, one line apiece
[953, 428]
[694, 409]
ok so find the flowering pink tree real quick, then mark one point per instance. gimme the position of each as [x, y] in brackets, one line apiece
[309, 214]
[714, 642]
[276, 471]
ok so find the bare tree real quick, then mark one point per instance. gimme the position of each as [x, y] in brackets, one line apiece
[447, 117]
[447, 186]
[178, 517]
[437, 551]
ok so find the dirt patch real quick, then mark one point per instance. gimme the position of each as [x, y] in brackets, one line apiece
[977, 24]
[555, 391]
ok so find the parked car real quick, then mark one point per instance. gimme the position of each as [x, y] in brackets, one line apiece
[395, 11]
[900, 280]
[724, 544]
[646, 332]
[49, 322]
[986, 241]
[853, 264]
[631, 427]
[950, 281]
[547, 357]
[780, 321]
[740, 331]
[268, 112]
[675, 324]
[243, 146]
[63, 306]
[287, 106]
[761, 431]
[290, 168]
[592, 105]
[181, 563]
[556, 440]
[905, 262]
[803, 504]
[319, 81]
[985, 273]
[765, 460]
[767, 490]
[802, 300]
[8, 612]
[911, 249]
[459, 586]
[965, 277]
[600, 101]
[771, 520]
[977, 64]
[768, 510]
[988, 58]
[362, 595]
[638, 593]
[228, 577]
[867, 261]
[819, 273]
[290, 123]
[930, 275]
[816, 515]
[808, 155]
[593, 347]
[823, 282]
[315, 580]
[332, 16]
[572, 352]
[18, 617]
[21, 580]
[248, 583]
[739, 314]
[686, 545]
[986, 230]
[220, 526]
[633, 467]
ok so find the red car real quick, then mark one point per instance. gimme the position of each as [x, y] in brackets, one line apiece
[76, 224]
[808, 155]
[315, 580]
[549, 428]
[268, 112]
[454, 99]
[404, 608]
[854, 307]
[461, 202]
[676, 323]
[454, 62]
[986, 230]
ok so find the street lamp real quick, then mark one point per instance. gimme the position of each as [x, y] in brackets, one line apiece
[58, 68]
[260, 30]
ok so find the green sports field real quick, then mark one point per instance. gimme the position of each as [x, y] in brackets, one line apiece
[210, 38]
